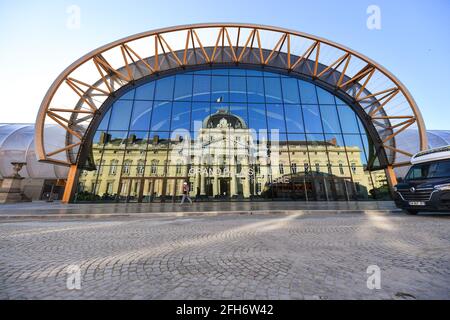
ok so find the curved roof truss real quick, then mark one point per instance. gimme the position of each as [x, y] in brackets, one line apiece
[76, 97]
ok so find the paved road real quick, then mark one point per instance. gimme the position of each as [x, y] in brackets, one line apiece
[322, 256]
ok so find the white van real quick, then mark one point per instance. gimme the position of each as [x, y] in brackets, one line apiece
[426, 187]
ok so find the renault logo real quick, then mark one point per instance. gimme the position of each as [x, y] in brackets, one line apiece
[412, 189]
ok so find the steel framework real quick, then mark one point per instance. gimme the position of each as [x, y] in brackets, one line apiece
[75, 99]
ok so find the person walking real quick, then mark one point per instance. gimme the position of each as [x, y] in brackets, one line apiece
[186, 190]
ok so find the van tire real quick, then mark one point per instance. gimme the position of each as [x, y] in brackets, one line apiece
[412, 212]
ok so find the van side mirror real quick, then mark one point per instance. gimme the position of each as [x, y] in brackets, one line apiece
[400, 180]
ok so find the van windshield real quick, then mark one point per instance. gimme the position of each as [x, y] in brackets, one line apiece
[438, 169]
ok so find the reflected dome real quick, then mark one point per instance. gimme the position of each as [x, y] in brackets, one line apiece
[224, 119]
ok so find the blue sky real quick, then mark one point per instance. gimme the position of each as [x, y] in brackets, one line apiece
[36, 45]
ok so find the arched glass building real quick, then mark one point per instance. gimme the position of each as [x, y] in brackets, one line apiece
[241, 112]
[233, 133]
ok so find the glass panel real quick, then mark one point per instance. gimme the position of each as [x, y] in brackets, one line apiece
[254, 73]
[164, 88]
[138, 140]
[238, 72]
[202, 88]
[330, 119]
[255, 89]
[362, 130]
[105, 122]
[161, 116]
[340, 102]
[257, 116]
[116, 139]
[154, 170]
[158, 147]
[120, 117]
[307, 92]
[336, 149]
[325, 97]
[219, 90]
[145, 91]
[220, 72]
[153, 190]
[238, 89]
[142, 112]
[124, 190]
[203, 72]
[240, 110]
[275, 117]
[313, 121]
[294, 118]
[380, 189]
[355, 149]
[317, 147]
[181, 116]
[128, 96]
[290, 90]
[348, 119]
[183, 88]
[273, 90]
[200, 111]
[134, 190]
[219, 106]
[367, 147]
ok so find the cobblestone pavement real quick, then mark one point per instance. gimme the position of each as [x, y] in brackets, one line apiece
[229, 257]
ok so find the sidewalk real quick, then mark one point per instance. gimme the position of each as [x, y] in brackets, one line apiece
[56, 210]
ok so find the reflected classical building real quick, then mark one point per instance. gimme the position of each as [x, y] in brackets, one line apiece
[227, 148]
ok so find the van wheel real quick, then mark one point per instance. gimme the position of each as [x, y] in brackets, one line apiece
[412, 212]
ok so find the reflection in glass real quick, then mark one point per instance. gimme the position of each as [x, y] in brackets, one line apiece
[233, 135]
[142, 112]
[294, 118]
[202, 88]
[325, 97]
[255, 89]
[257, 116]
[220, 89]
[120, 116]
[238, 89]
[181, 116]
[313, 121]
[348, 118]
[183, 88]
[330, 119]
[161, 116]
[275, 117]
[308, 93]
[273, 90]
[146, 91]
[164, 88]
[290, 91]
[355, 149]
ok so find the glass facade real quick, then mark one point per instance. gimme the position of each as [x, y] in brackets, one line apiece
[233, 134]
